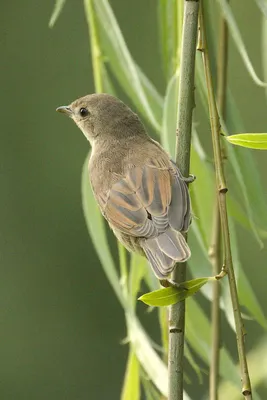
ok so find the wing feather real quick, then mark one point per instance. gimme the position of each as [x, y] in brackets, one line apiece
[149, 200]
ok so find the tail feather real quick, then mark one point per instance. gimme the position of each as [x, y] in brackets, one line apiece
[164, 251]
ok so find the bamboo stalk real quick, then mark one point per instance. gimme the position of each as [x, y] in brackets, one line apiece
[215, 245]
[215, 259]
[222, 190]
[183, 142]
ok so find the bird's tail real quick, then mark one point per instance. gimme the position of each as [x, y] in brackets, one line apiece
[164, 251]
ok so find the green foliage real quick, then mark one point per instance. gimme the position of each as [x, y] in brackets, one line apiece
[172, 295]
[59, 4]
[131, 386]
[251, 140]
[234, 30]
[113, 61]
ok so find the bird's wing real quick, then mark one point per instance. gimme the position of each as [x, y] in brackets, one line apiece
[148, 200]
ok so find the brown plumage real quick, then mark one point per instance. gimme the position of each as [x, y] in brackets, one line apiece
[140, 191]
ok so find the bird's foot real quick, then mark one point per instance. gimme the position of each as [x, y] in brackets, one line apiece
[171, 283]
[189, 179]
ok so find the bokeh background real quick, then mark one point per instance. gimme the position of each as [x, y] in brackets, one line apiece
[60, 337]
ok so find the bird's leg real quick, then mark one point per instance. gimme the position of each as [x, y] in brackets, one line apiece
[189, 179]
[170, 283]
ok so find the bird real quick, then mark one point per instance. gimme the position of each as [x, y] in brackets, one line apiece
[139, 189]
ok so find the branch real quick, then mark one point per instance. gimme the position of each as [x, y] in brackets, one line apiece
[222, 189]
[183, 142]
[215, 245]
[215, 259]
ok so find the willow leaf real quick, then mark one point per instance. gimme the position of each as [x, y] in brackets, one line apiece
[121, 61]
[58, 7]
[234, 30]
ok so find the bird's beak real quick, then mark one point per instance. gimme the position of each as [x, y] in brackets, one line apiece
[65, 110]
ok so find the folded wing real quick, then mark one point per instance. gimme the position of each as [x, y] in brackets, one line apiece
[152, 203]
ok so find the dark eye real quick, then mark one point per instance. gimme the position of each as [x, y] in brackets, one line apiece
[83, 112]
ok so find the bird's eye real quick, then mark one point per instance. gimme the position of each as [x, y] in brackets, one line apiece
[83, 112]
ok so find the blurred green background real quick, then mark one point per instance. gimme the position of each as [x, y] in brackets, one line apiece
[60, 338]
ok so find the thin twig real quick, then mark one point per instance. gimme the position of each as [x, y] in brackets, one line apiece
[222, 189]
[215, 259]
[184, 125]
[215, 245]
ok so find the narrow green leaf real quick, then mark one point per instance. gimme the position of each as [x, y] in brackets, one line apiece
[226, 297]
[199, 262]
[246, 172]
[150, 391]
[163, 316]
[248, 180]
[189, 356]
[238, 213]
[96, 228]
[234, 30]
[264, 49]
[152, 364]
[169, 120]
[147, 356]
[241, 161]
[131, 385]
[170, 18]
[250, 140]
[171, 295]
[262, 4]
[249, 300]
[202, 191]
[154, 98]
[120, 59]
[198, 334]
[161, 297]
[138, 270]
[58, 7]
[257, 361]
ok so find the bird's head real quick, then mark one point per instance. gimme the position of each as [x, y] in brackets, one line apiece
[99, 115]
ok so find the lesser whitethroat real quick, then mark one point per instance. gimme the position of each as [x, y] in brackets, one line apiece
[139, 190]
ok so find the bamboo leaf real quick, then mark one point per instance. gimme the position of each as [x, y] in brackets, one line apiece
[194, 364]
[262, 4]
[169, 121]
[150, 391]
[257, 355]
[58, 7]
[149, 359]
[250, 140]
[234, 30]
[131, 385]
[171, 295]
[154, 98]
[241, 217]
[199, 262]
[152, 364]
[138, 270]
[249, 300]
[199, 340]
[263, 49]
[202, 191]
[96, 228]
[120, 60]
[241, 161]
[170, 18]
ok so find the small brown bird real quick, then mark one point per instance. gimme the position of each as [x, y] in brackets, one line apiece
[140, 191]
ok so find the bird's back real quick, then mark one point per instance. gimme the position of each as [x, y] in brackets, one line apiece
[114, 160]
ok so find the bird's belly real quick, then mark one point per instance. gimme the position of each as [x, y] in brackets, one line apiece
[130, 242]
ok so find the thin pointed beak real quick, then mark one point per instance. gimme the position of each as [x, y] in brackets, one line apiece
[65, 110]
